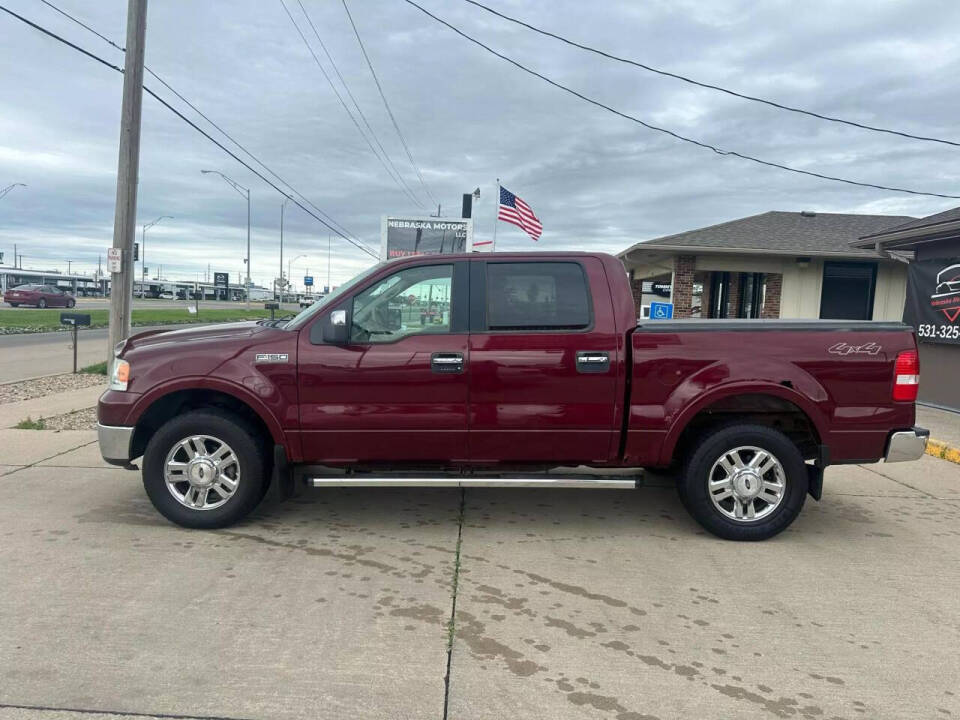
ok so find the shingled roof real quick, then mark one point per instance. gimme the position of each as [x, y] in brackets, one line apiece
[783, 233]
[946, 216]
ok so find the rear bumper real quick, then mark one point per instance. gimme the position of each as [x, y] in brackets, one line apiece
[115, 443]
[907, 445]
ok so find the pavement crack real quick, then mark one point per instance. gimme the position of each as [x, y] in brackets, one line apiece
[34, 464]
[112, 713]
[900, 482]
[452, 622]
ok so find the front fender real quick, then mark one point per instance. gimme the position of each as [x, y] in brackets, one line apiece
[240, 392]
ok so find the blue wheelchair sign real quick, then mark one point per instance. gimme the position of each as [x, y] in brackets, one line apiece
[661, 311]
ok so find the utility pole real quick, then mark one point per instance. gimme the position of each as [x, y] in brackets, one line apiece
[125, 215]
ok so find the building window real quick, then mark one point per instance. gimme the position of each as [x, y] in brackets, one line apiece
[848, 290]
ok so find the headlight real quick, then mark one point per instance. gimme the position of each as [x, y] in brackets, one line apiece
[121, 375]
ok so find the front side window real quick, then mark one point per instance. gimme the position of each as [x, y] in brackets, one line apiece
[414, 301]
[537, 296]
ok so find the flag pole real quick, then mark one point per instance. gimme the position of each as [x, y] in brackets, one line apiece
[496, 217]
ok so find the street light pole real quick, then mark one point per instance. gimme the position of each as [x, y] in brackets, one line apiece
[8, 188]
[291, 262]
[283, 205]
[143, 251]
[245, 192]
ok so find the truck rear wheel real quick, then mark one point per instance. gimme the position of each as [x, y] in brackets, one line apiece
[744, 482]
[205, 469]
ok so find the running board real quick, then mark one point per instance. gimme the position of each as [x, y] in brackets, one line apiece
[621, 482]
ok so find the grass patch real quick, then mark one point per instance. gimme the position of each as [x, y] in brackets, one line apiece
[29, 320]
[95, 369]
[30, 424]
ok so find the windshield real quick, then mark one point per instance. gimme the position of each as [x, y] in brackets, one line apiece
[320, 304]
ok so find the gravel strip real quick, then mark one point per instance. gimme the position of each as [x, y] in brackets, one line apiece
[53, 385]
[79, 420]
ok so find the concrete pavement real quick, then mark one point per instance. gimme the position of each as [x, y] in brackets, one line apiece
[573, 604]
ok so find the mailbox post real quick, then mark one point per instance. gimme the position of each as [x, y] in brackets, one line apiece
[75, 320]
[272, 307]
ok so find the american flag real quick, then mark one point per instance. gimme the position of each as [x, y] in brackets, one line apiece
[516, 211]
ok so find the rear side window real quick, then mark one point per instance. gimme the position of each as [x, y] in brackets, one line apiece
[537, 296]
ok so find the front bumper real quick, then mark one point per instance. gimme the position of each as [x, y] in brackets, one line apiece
[115, 443]
[907, 445]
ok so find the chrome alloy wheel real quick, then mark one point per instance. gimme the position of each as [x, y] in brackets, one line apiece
[202, 472]
[747, 484]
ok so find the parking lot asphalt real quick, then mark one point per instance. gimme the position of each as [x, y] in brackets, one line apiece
[574, 604]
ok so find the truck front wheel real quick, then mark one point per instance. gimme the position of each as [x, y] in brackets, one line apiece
[204, 469]
[744, 482]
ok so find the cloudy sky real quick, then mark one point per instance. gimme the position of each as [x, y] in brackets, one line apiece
[594, 179]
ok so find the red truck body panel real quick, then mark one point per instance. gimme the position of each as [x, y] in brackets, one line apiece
[520, 397]
[848, 397]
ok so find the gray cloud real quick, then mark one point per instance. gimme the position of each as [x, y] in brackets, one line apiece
[595, 180]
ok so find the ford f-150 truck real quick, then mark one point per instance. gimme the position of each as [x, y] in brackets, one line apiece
[508, 370]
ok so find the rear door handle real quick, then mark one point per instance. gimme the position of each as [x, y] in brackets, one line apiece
[446, 362]
[590, 361]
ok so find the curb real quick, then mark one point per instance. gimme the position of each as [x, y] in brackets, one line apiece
[943, 451]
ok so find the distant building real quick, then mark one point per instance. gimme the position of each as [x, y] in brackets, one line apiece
[774, 265]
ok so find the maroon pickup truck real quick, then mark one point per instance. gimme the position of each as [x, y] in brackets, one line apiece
[501, 371]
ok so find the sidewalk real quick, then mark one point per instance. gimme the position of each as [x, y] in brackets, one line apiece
[944, 429]
[50, 405]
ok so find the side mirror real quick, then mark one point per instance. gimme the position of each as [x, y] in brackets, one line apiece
[336, 329]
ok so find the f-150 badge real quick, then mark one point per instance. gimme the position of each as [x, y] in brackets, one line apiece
[842, 348]
[271, 358]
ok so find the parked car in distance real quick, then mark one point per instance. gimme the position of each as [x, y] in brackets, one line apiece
[306, 301]
[508, 371]
[166, 295]
[40, 296]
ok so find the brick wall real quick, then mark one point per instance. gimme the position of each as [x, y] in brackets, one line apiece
[683, 270]
[734, 304]
[771, 299]
[637, 287]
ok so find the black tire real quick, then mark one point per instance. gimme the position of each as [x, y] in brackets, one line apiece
[248, 447]
[14, 304]
[71, 303]
[693, 482]
[42, 303]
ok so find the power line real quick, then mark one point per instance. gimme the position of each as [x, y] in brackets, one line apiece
[403, 185]
[671, 133]
[205, 117]
[385, 103]
[192, 124]
[698, 83]
[356, 105]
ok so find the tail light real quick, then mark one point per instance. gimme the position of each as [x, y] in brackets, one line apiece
[906, 376]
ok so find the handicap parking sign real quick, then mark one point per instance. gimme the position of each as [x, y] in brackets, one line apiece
[661, 311]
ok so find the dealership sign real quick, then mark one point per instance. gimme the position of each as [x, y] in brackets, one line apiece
[406, 236]
[933, 300]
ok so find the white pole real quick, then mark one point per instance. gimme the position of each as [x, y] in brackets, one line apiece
[496, 216]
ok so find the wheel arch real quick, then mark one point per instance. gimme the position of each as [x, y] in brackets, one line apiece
[776, 406]
[156, 408]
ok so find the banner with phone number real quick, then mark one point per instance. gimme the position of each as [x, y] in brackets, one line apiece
[933, 300]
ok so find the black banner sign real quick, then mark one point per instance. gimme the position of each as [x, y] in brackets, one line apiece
[221, 279]
[933, 300]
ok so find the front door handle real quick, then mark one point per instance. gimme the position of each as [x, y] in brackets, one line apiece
[446, 362]
[591, 361]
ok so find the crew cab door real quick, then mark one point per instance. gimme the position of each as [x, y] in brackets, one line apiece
[395, 389]
[544, 359]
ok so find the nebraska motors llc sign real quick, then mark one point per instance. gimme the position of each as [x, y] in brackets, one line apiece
[933, 300]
